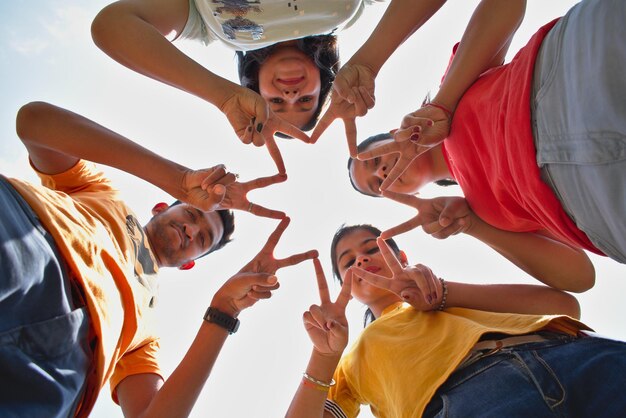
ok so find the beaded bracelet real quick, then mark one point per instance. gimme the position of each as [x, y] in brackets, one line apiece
[447, 111]
[444, 287]
[318, 384]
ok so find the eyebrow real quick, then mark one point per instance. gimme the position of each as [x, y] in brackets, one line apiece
[365, 241]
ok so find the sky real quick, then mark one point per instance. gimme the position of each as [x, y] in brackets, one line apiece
[46, 53]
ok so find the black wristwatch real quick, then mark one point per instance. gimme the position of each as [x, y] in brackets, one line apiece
[225, 321]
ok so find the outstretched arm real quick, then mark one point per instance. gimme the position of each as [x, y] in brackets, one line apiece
[418, 286]
[550, 261]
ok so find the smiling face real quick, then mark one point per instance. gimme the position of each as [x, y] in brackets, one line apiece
[182, 233]
[290, 82]
[368, 175]
[358, 247]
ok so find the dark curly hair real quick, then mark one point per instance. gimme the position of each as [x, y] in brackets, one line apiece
[321, 48]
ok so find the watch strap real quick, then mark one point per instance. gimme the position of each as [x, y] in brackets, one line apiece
[217, 317]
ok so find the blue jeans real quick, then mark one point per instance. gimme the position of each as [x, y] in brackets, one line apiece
[44, 328]
[573, 378]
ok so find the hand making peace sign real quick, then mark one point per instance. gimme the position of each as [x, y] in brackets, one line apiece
[416, 285]
[326, 323]
[440, 217]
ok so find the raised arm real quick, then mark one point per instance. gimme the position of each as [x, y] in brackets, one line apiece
[419, 286]
[550, 261]
[134, 33]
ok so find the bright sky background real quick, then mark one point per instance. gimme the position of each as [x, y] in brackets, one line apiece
[47, 54]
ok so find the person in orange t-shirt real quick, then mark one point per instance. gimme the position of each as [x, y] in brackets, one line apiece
[78, 271]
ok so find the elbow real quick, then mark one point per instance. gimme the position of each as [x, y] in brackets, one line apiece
[103, 24]
[28, 118]
[585, 280]
[568, 305]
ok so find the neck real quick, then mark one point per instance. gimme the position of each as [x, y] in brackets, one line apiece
[377, 307]
[439, 167]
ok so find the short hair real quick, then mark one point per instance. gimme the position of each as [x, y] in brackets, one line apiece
[228, 223]
[342, 232]
[372, 140]
[323, 51]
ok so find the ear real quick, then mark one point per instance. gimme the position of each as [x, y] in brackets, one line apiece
[403, 258]
[187, 266]
[159, 207]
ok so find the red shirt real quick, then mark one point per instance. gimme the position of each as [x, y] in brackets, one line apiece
[491, 153]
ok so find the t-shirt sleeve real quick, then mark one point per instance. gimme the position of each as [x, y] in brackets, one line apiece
[195, 28]
[341, 401]
[82, 177]
[141, 360]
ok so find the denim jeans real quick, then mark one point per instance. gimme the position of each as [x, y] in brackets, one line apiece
[44, 350]
[573, 378]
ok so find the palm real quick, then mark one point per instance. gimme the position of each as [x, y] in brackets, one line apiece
[198, 187]
[236, 196]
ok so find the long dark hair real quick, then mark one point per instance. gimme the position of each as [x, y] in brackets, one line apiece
[342, 232]
[321, 48]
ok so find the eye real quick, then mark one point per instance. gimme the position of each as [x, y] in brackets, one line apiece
[348, 263]
[202, 240]
[191, 215]
[305, 99]
[374, 250]
[276, 100]
[376, 161]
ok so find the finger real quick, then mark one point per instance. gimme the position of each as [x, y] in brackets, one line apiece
[346, 291]
[368, 98]
[319, 317]
[225, 180]
[264, 182]
[372, 278]
[296, 259]
[401, 165]
[389, 256]
[214, 174]
[216, 195]
[405, 199]
[274, 237]
[423, 285]
[258, 139]
[380, 150]
[275, 154]
[288, 129]
[342, 89]
[324, 122]
[456, 228]
[322, 284]
[350, 129]
[264, 212]
[246, 136]
[254, 294]
[360, 108]
[407, 226]
[429, 288]
[310, 322]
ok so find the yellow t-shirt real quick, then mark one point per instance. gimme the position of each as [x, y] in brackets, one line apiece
[400, 360]
[107, 253]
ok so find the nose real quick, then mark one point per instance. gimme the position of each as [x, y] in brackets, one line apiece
[291, 93]
[362, 260]
[381, 171]
[191, 231]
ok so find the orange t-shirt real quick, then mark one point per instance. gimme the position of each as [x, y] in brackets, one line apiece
[107, 253]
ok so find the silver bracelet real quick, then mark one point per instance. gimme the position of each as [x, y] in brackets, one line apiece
[318, 382]
[444, 287]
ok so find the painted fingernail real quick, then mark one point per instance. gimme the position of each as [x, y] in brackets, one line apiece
[415, 137]
[219, 189]
[429, 299]
[417, 129]
[259, 127]
[429, 123]
[272, 279]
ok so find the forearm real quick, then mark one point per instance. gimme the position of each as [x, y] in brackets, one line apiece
[549, 261]
[401, 19]
[512, 298]
[133, 33]
[56, 138]
[482, 46]
[308, 402]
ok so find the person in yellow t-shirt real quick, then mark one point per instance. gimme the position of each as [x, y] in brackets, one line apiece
[78, 271]
[437, 348]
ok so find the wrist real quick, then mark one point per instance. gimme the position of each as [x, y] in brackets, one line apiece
[225, 306]
[221, 319]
